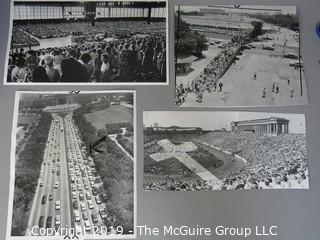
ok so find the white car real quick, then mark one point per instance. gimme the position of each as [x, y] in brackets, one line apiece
[58, 205]
[87, 226]
[103, 213]
[74, 195]
[77, 216]
[56, 185]
[57, 221]
[82, 206]
[90, 204]
[98, 201]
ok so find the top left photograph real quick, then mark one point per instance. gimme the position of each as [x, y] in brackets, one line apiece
[87, 42]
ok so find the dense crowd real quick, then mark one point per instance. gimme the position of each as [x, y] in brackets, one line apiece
[208, 80]
[139, 58]
[126, 51]
[116, 29]
[177, 185]
[21, 39]
[272, 162]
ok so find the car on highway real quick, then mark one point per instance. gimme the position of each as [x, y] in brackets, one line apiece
[75, 204]
[94, 217]
[81, 196]
[56, 185]
[58, 205]
[76, 215]
[73, 188]
[85, 216]
[49, 222]
[50, 197]
[88, 196]
[57, 221]
[103, 213]
[90, 204]
[87, 226]
[82, 206]
[94, 191]
[41, 222]
[41, 184]
[44, 199]
[98, 201]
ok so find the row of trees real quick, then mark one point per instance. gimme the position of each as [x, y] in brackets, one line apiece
[187, 41]
[116, 172]
[283, 20]
[27, 172]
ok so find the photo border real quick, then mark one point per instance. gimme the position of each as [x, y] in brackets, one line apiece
[179, 3]
[18, 94]
[6, 83]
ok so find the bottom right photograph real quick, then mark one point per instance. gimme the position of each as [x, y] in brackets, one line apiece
[203, 151]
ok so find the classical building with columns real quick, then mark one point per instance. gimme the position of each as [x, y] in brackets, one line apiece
[271, 126]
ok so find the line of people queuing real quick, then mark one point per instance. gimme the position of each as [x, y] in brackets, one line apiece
[208, 80]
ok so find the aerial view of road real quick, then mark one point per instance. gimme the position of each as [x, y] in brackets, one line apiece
[74, 165]
[66, 193]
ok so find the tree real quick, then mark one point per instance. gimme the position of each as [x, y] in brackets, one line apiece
[257, 28]
[188, 42]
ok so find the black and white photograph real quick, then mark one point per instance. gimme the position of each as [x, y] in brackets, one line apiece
[238, 55]
[204, 151]
[87, 42]
[73, 172]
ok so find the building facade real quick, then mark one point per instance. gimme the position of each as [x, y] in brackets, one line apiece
[272, 126]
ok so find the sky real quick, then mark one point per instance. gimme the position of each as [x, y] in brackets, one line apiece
[216, 120]
[285, 9]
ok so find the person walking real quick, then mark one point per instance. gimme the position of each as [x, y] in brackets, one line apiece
[273, 86]
[264, 93]
[277, 88]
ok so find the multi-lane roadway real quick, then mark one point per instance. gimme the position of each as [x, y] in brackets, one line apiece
[67, 190]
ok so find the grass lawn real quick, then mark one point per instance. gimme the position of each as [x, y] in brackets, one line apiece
[113, 114]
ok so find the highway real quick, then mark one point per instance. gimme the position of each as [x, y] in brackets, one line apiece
[67, 190]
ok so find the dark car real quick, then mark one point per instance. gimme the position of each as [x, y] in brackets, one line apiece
[94, 217]
[44, 199]
[49, 222]
[75, 204]
[41, 222]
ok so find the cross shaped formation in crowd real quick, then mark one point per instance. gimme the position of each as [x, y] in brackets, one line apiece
[179, 152]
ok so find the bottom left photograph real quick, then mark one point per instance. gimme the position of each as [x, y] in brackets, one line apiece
[73, 165]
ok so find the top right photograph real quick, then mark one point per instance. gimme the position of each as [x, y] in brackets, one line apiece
[238, 55]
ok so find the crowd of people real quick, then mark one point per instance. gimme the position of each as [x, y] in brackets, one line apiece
[22, 39]
[272, 162]
[116, 29]
[139, 58]
[177, 185]
[208, 80]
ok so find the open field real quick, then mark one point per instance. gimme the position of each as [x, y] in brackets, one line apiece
[111, 115]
